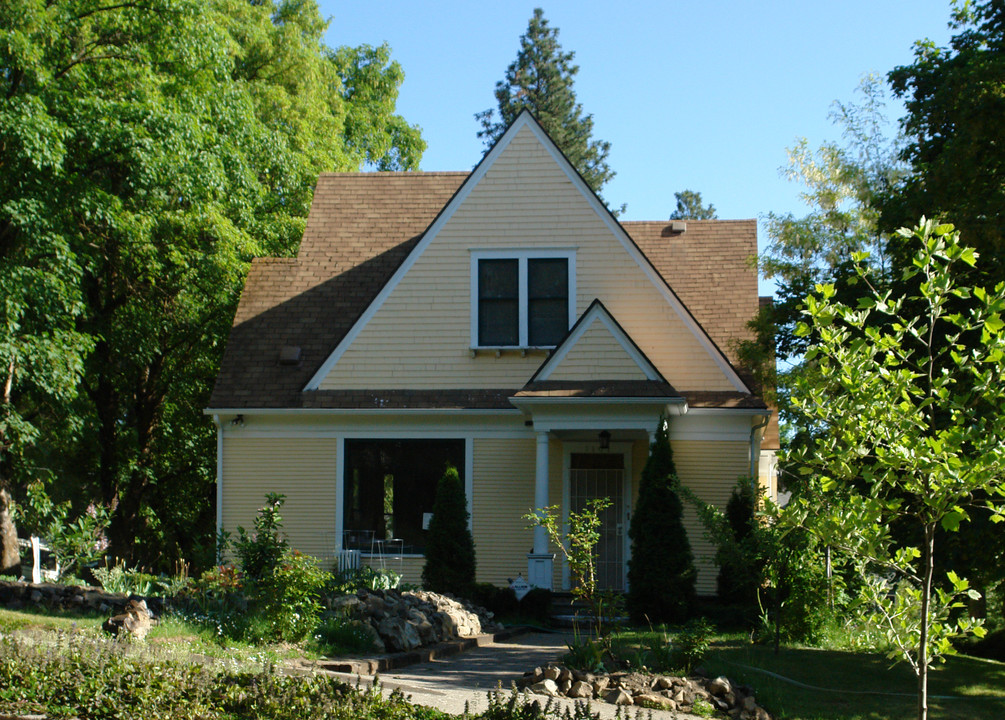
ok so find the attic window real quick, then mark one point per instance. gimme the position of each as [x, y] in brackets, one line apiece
[522, 298]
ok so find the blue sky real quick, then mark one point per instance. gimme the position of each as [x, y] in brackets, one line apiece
[700, 95]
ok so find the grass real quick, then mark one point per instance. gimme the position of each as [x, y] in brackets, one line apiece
[847, 685]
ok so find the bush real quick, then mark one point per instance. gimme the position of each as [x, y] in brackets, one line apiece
[348, 582]
[339, 634]
[499, 601]
[450, 549]
[661, 572]
[259, 553]
[289, 597]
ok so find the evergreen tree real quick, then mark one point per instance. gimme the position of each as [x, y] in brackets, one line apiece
[661, 572]
[540, 80]
[690, 207]
[450, 549]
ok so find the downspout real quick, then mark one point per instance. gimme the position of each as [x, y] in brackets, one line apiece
[755, 446]
[219, 481]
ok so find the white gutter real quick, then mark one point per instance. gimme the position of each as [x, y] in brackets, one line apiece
[219, 480]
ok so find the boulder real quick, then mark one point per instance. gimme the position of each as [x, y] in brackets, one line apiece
[655, 701]
[399, 635]
[581, 689]
[619, 696]
[136, 621]
[545, 687]
[719, 687]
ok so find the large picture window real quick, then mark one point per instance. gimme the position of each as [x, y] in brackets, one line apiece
[390, 486]
[522, 300]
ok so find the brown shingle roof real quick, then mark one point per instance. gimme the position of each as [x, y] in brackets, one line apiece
[361, 228]
[709, 268]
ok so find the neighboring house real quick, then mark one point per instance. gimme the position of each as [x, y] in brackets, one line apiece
[501, 320]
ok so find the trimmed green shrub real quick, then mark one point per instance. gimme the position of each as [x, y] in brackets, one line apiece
[259, 552]
[450, 549]
[661, 572]
[741, 569]
[497, 600]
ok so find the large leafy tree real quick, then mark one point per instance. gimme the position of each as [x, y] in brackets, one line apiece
[910, 400]
[157, 147]
[540, 80]
[955, 99]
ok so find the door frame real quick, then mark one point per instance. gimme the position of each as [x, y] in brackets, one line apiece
[625, 450]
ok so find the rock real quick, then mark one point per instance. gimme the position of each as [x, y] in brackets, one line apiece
[136, 620]
[545, 687]
[619, 696]
[662, 683]
[749, 704]
[761, 714]
[581, 689]
[552, 673]
[655, 701]
[719, 687]
[600, 684]
[399, 635]
[35, 597]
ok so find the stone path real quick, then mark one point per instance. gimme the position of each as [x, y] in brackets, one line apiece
[448, 684]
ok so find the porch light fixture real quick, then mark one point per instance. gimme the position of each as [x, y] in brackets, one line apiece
[605, 440]
[238, 421]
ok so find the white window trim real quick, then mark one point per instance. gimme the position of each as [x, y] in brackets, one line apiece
[522, 256]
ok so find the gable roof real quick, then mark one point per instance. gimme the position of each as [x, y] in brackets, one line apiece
[596, 315]
[362, 231]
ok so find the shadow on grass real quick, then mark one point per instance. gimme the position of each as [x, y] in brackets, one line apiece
[849, 686]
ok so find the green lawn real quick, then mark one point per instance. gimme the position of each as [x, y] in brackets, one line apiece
[858, 685]
[845, 685]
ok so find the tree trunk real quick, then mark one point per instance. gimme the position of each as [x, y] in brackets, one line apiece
[10, 554]
[928, 556]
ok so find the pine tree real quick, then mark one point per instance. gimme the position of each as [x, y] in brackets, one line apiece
[450, 549]
[661, 571]
[540, 80]
[691, 207]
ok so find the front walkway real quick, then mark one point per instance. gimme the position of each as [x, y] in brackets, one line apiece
[465, 679]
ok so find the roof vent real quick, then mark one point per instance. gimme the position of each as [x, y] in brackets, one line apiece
[678, 226]
[289, 355]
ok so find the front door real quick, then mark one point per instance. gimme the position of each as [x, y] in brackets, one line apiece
[602, 475]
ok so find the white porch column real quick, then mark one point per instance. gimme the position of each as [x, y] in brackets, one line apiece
[540, 561]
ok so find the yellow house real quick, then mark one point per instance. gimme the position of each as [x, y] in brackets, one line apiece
[501, 320]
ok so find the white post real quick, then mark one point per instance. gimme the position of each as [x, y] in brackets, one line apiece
[36, 561]
[540, 561]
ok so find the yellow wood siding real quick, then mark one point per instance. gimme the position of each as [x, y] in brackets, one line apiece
[420, 336]
[711, 469]
[503, 492]
[301, 469]
[597, 354]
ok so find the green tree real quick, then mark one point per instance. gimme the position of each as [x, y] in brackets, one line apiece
[690, 207]
[450, 549]
[157, 147]
[955, 97]
[661, 572]
[540, 80]
[912, 412]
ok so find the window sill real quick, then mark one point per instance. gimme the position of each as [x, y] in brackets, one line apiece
[509, 350]
[390, 556]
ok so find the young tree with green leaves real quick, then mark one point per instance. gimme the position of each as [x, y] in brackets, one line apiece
[540, 80]
[661, 572]
[691, 207]
[909, 400]
[450, 548]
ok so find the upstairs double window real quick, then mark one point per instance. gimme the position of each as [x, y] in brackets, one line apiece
[522, 299]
